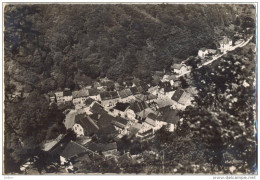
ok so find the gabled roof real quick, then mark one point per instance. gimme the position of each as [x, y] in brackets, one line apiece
[169, 115]
[108, 95]
[120, 122]
[152, 116]
[138, 106]
[93, 92]
[72, 149]
[103, 119]
[171, 77]
[114, 94]
[97, 108]
[67, 92]
[59, 94]
[146, 133]
[128, 83]
[147, 97]
[89, 101]
[110, 146]
[79, 94]
[203, 49]
[125, 93]
[177, 95]
[144, 113]
[150, 121]
[134, 129]
[121, 106]
[89, 126]
[105, 95]
[176, 66]
[134, 90]
[95, 147]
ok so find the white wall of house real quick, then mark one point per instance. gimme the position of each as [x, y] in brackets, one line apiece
[96, 97]
[127, 99]
[78, 129]
[68, 98]
[202, 54]
[182, 70]
[76, 101]
[130, 114]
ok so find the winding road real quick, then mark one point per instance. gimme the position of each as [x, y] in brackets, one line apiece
[214, 58]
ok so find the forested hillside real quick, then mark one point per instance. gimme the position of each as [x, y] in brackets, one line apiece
[50, 47]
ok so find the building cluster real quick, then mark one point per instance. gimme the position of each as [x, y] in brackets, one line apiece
[223, 45]
[132, 110]
[128, 111]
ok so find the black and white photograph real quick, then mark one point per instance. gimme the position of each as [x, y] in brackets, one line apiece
[129, 88]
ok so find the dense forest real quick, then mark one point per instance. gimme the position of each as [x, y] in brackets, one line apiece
[50, 47]
[55, 46]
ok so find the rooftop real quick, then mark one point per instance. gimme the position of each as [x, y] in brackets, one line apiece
[121, 106]
[87, 124]
[72, 149]
[80, 93]
[125, 93]
[110, 146]
[138, 106]
[169, 115]
[177, 95]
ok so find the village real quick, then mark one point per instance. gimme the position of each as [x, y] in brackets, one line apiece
[133, 110]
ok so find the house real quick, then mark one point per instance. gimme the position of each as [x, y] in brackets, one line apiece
[152, 120]
[110, 149]
[118, 87]
[179, 68]
[89, 101]
[180, 96]
[109, 98]
[94, 94]
[120, 109]
[146, 135]
[169, 116]
[79, 97]
[212, 51]
[133, 130]
[154, 90]
[84, 125]
[170, 78]
[203, 52]
[128, 83]
[225, 44]
[136, 108]
[52, 97]
[166, 87]
[126, 96]
[144, 113]
[103, 119]
[72, 149]
[148, 98]
[136, 90]
[67, 95]
[59, 97]
[96, 108]
[121, 125]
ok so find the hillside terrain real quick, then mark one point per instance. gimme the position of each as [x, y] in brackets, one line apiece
[48, 48]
